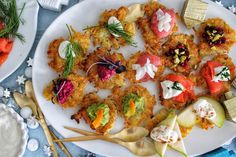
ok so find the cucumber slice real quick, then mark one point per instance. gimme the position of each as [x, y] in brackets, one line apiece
[187, 118]
[179, 145]
[220, 113]
[161, 147]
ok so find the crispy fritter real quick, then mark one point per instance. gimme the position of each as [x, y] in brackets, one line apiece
[225, 60]
[186, 40]
[229, 35]
[57, 63]
[102, 37]
[149, 100]
[92, 74]
[152, 42]
[90, 99]
[130, 74]
[79, 83]
[171, 103]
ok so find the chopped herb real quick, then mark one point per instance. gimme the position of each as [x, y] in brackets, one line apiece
[11, 19]
[116, 29]
[176, 86]
[224, 73]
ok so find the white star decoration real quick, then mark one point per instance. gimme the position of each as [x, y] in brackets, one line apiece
[47, 150]
[232, 8]
[21, 79]
[219, 3]
[30, 62]
[142, 70]
[6, 93]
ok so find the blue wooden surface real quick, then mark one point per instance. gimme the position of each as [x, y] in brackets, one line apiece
[45, 18]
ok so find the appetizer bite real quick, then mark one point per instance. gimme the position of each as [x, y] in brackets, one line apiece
[144, 66]
[206, 112]
[158, 23]
[99, 114]
[167, 133]
[10, 21]
[216, 36]
[135, 104]
[66, 55]
[181, 53]
[105, 69]
[216, 75]
[113, 30]
[176, 91]
[66, 92]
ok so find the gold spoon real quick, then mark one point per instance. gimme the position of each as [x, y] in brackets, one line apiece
[127, 134]
[143, 147]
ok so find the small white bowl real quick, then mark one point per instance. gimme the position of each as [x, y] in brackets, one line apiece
[22, 126]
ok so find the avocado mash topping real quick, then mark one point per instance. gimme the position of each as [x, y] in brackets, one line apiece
[93, 110]
[132, 104]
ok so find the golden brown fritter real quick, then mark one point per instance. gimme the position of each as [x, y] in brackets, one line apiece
[57, 63]
[225, 60]
[103, 38]
[152, 42]
[79, 83]
[186, 40]
[149, 101]
[229, 35]
[90, 99]
[130, 74]
[92, 74]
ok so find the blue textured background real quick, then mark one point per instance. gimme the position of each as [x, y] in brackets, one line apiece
[45, 19]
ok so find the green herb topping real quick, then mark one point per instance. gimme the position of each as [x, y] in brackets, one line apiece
[177, 86]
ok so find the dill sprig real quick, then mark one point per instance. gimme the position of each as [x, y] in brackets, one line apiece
[116, 28]
[224, 73]
[176, 86]
[73, 49]
[11, 19]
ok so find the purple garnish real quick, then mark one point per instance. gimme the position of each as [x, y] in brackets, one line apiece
[63, 88]
[214, 35]
[107, 68]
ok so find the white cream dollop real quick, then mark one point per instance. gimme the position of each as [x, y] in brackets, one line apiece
[164, 134]
[10, 135]
[169, 91]
[148, 68]
[114, 20]
[222, 73]
[164, 20]
[204, 109]
[62, 50]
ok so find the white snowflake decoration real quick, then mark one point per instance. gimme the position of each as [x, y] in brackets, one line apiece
[47, 150]
[20, 79]
[219, 3]
[233, 9]
[30, 62]
[6, 93]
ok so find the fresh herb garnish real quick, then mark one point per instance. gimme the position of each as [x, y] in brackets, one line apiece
[176, 86]
[224, 73]
[109, 65]
[72, 49]
[116, 29]
[11, 20]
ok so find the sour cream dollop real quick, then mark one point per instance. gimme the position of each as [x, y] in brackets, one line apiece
[169, 91]
[222, 73]
[62, 50]
[204, 109]
[148, 68]
[164, 134]
[114, 20]
[164, 20]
